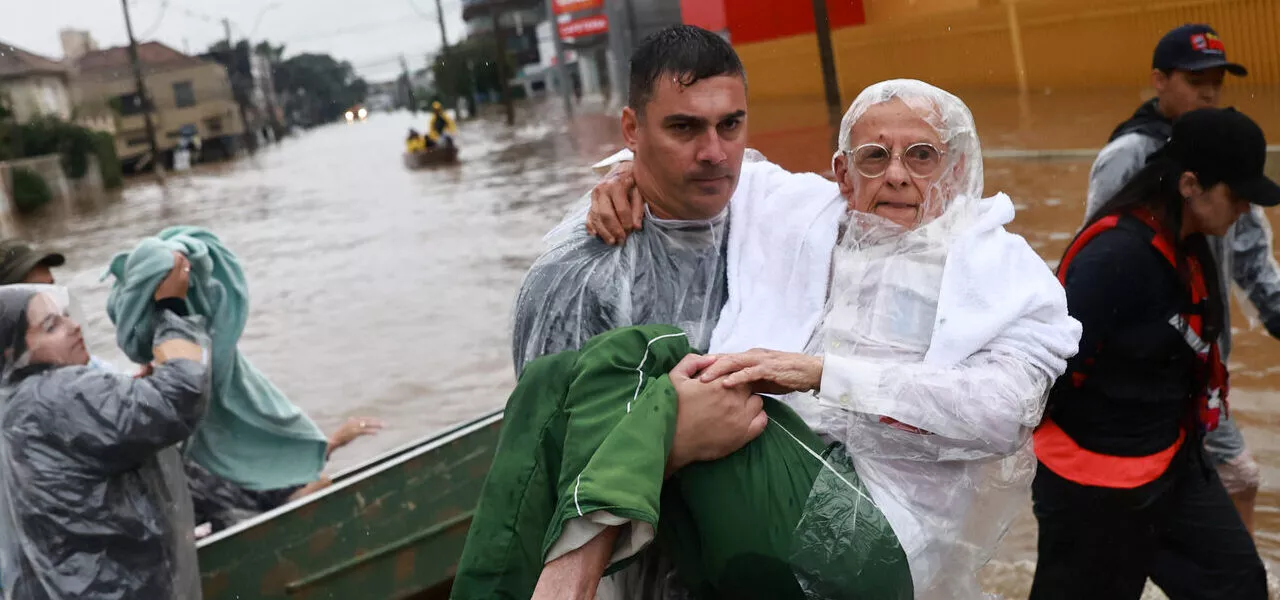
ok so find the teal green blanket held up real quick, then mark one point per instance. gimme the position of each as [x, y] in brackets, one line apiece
[253, 435]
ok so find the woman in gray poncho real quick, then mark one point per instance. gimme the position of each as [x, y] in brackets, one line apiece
[93, 502]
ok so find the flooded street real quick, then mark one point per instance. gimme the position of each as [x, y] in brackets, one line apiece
[381, 292]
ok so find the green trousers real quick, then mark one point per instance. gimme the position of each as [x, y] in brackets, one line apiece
[784, 517]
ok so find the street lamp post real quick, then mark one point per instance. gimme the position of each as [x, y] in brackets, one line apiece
[825, 52]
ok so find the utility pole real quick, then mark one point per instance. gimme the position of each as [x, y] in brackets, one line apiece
[829, 79]
[141, 90]
[503, 88]
[620, 44]
[562, 71]
[444, 38]
[237, 88]
[408, 85]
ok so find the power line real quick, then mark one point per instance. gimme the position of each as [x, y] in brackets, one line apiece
[400, 22]
[164, 8]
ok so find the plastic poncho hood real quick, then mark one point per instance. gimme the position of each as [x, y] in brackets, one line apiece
[93, 500]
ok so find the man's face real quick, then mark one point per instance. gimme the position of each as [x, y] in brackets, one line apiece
[898, 195]
[1184, 91]
[40, 274]
[688, 145]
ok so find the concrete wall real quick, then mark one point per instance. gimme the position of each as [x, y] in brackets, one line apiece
[38, 95]
[213, 96]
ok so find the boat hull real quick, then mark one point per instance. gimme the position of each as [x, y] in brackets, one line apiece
[427, 158]
[393, 527]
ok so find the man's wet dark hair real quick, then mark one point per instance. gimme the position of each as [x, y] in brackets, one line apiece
[688, 53]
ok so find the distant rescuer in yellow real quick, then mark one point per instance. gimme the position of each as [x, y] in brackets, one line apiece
[441, 128]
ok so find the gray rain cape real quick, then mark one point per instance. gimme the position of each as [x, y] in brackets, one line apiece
[93, 501]
[669, 272]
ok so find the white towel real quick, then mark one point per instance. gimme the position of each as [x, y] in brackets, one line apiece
[782, 227]
[782, 230]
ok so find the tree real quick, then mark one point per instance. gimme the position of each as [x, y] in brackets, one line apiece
[322, 87]
[468, 68]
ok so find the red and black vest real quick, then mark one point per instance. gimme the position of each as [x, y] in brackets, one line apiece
[1057, 451]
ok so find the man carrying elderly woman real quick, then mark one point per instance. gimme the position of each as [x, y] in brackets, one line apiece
[909, 339]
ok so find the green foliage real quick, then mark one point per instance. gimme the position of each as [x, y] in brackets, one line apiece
[30, 191]
[319, 87]
[469, 67]
[104, 147]
[49, 135]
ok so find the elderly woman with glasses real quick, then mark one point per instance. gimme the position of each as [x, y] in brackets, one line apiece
[912, 341]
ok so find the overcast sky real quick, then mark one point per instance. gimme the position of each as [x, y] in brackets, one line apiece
[370, 34]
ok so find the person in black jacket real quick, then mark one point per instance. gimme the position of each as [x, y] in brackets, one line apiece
[1124, 490]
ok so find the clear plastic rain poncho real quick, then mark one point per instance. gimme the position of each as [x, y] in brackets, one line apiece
[669, 272]
[93, 501]
[941, 336]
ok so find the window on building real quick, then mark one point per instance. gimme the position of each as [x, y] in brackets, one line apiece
[183, 94]
[127, 104]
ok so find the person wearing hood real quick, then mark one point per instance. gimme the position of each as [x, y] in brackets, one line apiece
[94, 501]
[913, 341]
[1189, 67]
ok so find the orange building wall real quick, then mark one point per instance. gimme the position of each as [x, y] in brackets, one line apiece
[1067, 44]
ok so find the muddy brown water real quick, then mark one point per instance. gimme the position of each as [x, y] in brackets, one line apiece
[381, 292]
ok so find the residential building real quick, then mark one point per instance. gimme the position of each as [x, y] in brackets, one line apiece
[32, 85]
[186, 93]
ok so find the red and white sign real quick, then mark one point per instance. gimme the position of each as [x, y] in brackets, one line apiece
[564, 7]
[584, 27]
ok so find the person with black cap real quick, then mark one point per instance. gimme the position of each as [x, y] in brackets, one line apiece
[1188, 69]
[21, 262]
[1124, 490]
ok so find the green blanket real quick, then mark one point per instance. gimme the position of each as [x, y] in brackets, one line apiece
[585, 431]
[253, 435]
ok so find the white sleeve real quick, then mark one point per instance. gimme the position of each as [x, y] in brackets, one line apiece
[991, 398]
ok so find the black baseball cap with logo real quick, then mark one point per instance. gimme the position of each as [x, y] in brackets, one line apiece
[1193, 47]
[1224, 145]
[18, 258]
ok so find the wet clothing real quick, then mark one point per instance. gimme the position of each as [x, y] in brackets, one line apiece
[221, 503]
[1181, 531]
[95, 504]
[1136, 500]
[773, 520]
[668, 272]
[253, 435]
[1244, 255]
[1135, 373]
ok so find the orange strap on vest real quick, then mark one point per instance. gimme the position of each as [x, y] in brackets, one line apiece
[1063, 456]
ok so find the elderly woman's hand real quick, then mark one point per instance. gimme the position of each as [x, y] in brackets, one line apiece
[767, 371]
[616, 206]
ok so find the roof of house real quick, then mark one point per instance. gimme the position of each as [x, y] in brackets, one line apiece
[16, 62]
[150, 54]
